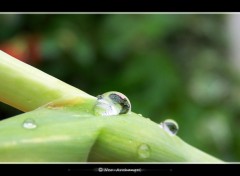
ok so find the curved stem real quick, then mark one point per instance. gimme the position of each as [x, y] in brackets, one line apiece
[26, 88]
[68, 134]
[68, 130]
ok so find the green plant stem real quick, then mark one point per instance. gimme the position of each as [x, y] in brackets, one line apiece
[67, 129]
[26, 88]
[67, 135]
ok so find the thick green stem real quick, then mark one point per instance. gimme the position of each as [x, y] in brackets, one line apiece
[73, 135]
[26, 88]
[67, 129]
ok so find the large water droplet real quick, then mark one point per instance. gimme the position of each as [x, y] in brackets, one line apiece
[143, 151]
[112, 103]
[170, 126]
[29, 124]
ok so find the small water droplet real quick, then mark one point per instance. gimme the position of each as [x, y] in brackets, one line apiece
[29, 124]
[112, 103]
[170, 126]
[140, 115]
[143, 151]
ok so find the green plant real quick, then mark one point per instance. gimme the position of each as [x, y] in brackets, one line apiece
[59, 124]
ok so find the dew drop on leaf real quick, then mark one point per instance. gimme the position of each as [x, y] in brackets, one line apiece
[143, 151]
[170, 126]
[112, 103]
[29, 124]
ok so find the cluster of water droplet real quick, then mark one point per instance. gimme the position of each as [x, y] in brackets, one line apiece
[170, 126]
[115, 103]
[112, 103]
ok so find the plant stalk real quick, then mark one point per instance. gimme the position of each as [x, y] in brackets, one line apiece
[67, 130]
[26, 88]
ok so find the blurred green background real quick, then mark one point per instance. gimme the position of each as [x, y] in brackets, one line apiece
[168, 65]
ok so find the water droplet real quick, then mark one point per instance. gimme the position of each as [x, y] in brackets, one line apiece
[29, 124]
[112, 103]
[140, 115]
[143, 151]
[170, 126]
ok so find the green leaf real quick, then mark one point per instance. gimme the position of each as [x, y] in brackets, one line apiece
[71, 134]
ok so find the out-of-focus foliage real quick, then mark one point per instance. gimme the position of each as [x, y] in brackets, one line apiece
[169, 66]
